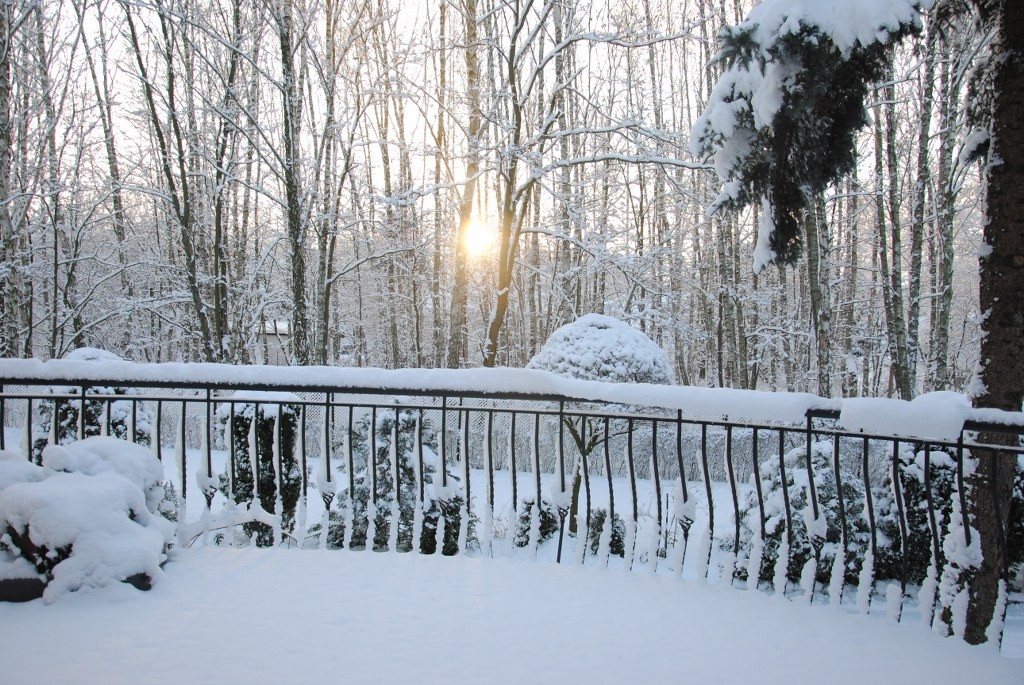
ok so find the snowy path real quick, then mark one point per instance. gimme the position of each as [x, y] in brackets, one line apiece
[288, 616]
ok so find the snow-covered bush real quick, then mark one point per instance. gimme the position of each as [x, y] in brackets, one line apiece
[828, 526]
[599, 348]
[549, 523]
[87, 518]
[616, 544]
[260, 447]
[125, 416]
[396, 506]
[916, 554]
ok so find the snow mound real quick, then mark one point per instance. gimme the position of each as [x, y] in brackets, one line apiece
[599, 348]
[15, 468]
[85, 519]
[95, 455]
[934, 415]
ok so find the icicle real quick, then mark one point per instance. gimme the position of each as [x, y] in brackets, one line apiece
[727, 568]
[959, 610]
[276, 458]
[653, 544]
[754, 563]
[582, 538]
[396, 493]
[486, 533]
[703, 554]
[865, 582]
[349, 522]
[371, 523]
[417, 508]
[417, 525]
[442, 527]
[838, 578]
[534, 539]
[781, 570]
[179, 459]
[464, 527]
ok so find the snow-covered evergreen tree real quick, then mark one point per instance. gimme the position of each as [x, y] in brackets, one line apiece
[263, 448]
[781, 121]
[125, 419]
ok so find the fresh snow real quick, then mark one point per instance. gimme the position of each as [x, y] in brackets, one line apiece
[777, 408]
[289, 616]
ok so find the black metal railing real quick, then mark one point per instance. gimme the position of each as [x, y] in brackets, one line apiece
[809, 509]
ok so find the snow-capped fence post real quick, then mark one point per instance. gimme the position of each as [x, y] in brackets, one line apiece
[655, 536]
[684, 513]
[730, 471]
[838, 580]
[866, 581]
[901, 513]
[704, 560]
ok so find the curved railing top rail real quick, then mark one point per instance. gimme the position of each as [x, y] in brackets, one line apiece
[934, 416]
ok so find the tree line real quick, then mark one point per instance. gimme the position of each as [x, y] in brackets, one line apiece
[184, 180]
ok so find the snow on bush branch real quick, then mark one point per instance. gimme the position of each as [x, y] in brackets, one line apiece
[781, 120]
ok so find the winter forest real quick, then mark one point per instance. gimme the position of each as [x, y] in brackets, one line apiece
[444, 183]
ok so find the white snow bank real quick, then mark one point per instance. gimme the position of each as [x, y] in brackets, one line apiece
[84, 519]
[96, 455]
[934, 415]
[777, 408]
[102, 520]
[308, 617]
[15, 468]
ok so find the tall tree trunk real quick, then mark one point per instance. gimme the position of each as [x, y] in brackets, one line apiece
[917, 214]
[291, 111]
[945, 211]
[1002, 301]
[458, 339]
[819, 278]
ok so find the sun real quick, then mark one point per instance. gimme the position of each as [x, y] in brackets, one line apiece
[478, 239]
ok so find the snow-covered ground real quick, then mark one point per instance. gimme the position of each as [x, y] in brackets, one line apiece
[305, 616]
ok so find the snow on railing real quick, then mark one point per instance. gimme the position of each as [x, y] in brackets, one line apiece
[790, 493]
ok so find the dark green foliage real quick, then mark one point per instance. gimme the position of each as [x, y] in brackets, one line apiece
[916, 555]
[801, 549]
[242, 488]
[406, 493]
[549, 523]
[97, 415]
[616, 546]
[809, 141]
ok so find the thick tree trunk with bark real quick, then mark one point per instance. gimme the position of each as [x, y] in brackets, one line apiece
[1002, 301]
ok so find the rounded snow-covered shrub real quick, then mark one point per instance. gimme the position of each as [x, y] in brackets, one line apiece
[87, 518]
[120, 418]
[599, 348]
